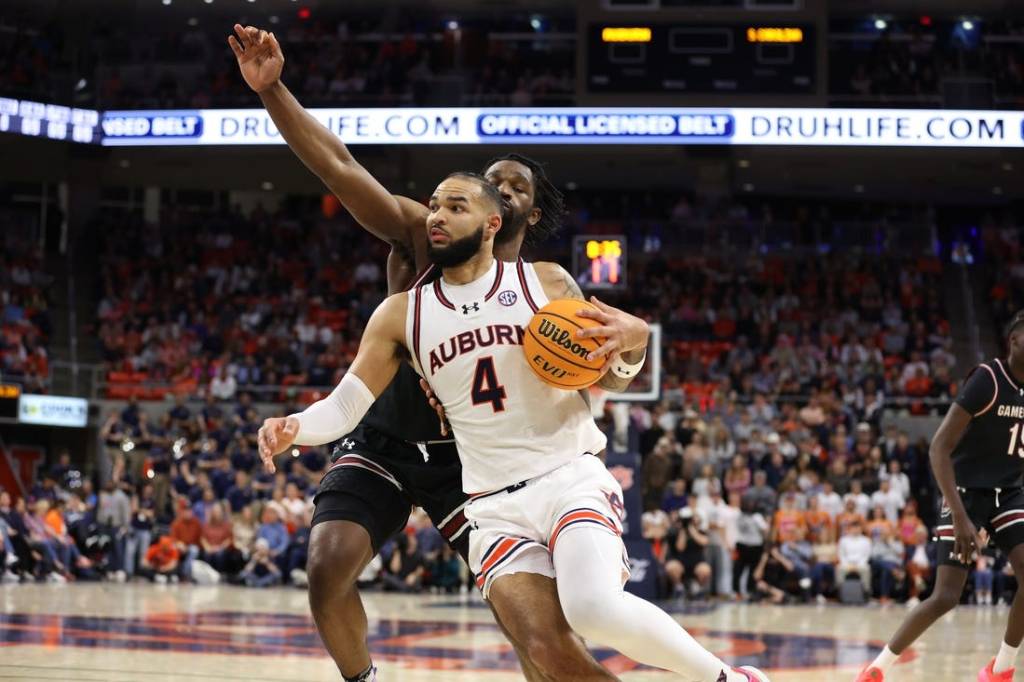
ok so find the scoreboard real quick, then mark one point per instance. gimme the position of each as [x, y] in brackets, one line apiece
[599, 261]
[739, 58]
[51, 121]
[9, 395]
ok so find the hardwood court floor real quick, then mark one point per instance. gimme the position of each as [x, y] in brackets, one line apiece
[144, 633]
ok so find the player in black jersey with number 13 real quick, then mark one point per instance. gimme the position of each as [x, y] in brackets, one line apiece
[977, 459]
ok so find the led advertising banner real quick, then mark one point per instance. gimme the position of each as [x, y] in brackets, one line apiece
[747, 126]
[583, 126]
[53, 410]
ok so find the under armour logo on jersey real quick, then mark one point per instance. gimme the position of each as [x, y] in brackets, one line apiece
[470, 308]
[507, 298]
[347, 444]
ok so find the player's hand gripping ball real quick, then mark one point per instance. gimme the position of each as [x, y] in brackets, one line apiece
[555, 353]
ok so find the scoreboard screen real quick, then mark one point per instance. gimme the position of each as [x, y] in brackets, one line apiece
[747, 58]
[599, 261]
[36, 119]
[9, 394]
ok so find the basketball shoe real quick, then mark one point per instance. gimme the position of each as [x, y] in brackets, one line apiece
[987, 675]
[871, 675]
[752, 673]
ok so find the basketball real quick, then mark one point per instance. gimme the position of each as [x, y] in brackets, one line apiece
[553, 350]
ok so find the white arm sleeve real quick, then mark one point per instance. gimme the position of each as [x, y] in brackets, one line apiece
[331, 418]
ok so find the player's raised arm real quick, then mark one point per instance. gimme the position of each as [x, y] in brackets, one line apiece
[392, 218]
[381, 350]
[625, 335]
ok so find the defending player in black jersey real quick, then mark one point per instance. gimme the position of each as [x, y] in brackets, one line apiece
[397, 457]
[977, 459]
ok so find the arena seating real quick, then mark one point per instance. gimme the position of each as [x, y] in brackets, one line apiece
[25, 325]
[402, 60]
[813, 354]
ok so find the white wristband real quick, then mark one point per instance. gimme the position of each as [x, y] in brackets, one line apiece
[626, 370]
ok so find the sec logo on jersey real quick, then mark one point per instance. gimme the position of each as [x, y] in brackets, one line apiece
[507, 298]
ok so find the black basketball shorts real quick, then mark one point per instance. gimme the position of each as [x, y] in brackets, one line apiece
[1000, 513]
[375, 480]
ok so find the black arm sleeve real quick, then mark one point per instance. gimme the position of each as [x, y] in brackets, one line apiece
[979, 390]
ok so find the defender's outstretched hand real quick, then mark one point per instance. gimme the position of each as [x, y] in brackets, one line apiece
[259, 56]
[275, 436]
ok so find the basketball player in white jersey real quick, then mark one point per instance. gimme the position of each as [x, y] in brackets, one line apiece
[542, 502]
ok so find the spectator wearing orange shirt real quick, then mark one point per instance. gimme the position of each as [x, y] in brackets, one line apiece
[848, 518]
[819, 523]
[162, 560]
[787, 520]
[55, 518]
[186, 532]
[918, 386]
[63, 543]
[217, 539]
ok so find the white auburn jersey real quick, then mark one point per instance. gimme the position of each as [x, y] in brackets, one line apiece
[466, 341]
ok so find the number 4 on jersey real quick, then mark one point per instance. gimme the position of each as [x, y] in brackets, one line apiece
[486, 388]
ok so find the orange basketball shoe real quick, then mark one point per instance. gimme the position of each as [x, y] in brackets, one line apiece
[871, 674]
[987, 675]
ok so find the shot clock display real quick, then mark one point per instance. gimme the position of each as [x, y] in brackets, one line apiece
[599, 261]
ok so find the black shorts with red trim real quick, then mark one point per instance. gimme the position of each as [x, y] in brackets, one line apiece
[1000, 512]
[375, 480]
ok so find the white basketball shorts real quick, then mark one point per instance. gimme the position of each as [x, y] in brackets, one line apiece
[516, 530]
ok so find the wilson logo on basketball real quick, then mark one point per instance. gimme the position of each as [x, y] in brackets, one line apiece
[562, 338]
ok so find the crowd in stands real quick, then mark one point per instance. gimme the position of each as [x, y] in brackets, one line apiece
[909, 58]
[188, 500]
[758, 504]
[846, 332]
[25, 325]
[1003, 276]
[392, 58]
[767, 472]
[740, 502]
[764, 466]
[402, 58]
[248, 302]
[273, 305]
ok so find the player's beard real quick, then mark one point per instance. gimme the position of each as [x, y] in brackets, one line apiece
[512, 224]
[458, 251]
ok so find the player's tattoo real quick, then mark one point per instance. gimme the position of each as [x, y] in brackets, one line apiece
[571, 288]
